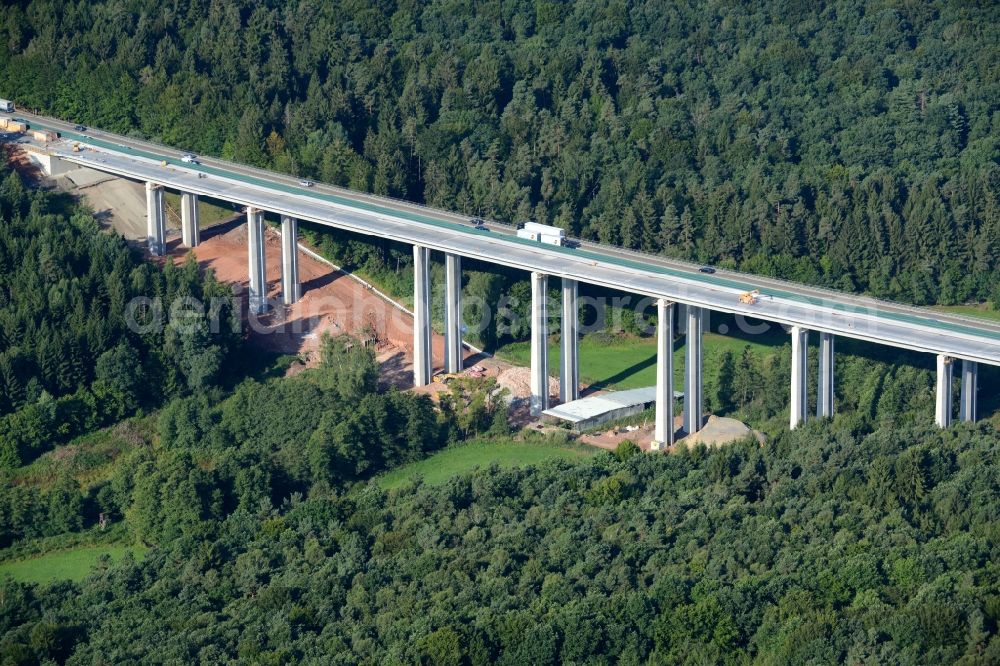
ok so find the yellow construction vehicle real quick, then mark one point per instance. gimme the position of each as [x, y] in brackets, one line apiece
[750, 297]
[444, 377]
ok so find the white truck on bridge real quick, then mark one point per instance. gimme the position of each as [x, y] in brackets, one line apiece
[542, 233]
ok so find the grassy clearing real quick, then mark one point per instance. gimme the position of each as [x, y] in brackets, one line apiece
[209, 214]
[89, 458]
[445, 464]
[73, 564]
[628, 363]
[983, 310]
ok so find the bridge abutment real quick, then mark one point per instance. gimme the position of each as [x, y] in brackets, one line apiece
[943, 406]
[800, 369]
[291, 288]
[693, 370]
[190, 236]
[156, 220]
[970, 386]
[257, 260]
[663, 435]
[453, 313]
[569, 362]
[422, 360]
[539, 400]
[824, 393]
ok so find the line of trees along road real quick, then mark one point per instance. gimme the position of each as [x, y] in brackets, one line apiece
[852, 143]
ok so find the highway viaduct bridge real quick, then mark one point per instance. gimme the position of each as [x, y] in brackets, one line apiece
[956, 341]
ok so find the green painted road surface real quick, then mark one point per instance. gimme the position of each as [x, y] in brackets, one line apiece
[711, 280]
[71, 564]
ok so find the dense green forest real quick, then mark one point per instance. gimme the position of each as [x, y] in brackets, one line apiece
[850, 143]
[824, 546]
[69, 361]
[266, 442]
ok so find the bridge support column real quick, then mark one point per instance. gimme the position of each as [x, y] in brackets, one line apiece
[453, 313]
[800, 370]
[189, 220]
[156, 220]
[824, 393]
[970, 385]
[257, 261]
[422, 359]
[569, 366]
[663, 435]
[692, 370]
[291, 289]
[943, 408]
[539, 344]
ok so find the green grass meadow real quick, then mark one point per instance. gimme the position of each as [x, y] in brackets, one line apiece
[71, 564]
[628, 363]
[445, 464]
[983, 311]
[209, 213]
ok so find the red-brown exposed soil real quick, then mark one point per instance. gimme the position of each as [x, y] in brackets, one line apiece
[331, 302]
[19, 160]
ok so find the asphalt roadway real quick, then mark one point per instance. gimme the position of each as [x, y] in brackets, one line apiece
[780, 301]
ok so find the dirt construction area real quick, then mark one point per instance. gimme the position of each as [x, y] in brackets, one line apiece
[331, 301]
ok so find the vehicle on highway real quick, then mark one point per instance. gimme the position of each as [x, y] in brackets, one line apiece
[6, 106]
[202, 174]
[542, 233]
[79, 128]
[478, 224]
[706, 269]
[306, 183]
[189, 158]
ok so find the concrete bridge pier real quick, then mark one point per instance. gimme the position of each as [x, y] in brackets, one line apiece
[970, 386]
[291, 288]
[539, 401]
[569, 362]
[824, 393]
[453, 313]
[423, 367]
[800, 370]
[257, 262]
[189, 220]
[943, 408]
[663, 435]
[693, 370]
[156, 220]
